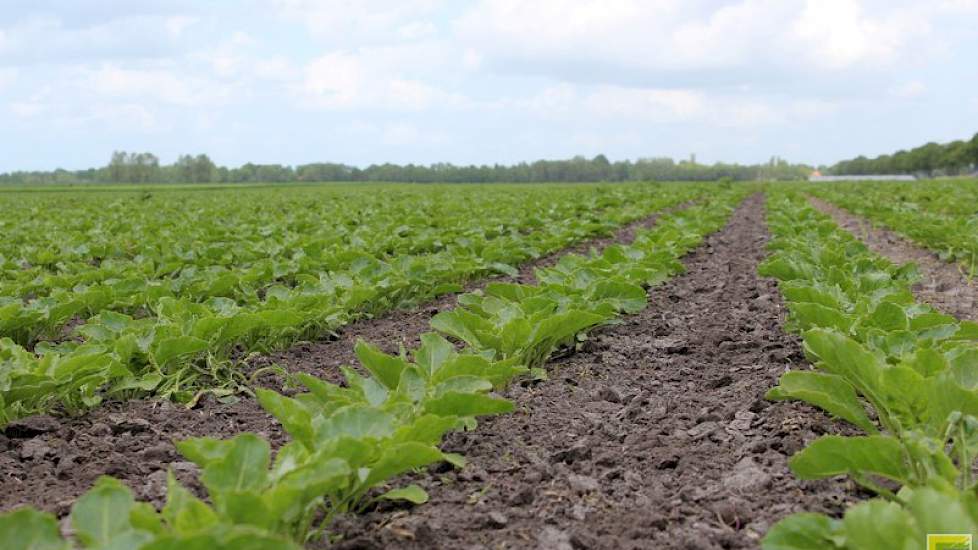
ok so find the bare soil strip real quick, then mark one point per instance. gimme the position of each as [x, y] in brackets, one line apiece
[656, 435]
[48, 462]
[944, 286]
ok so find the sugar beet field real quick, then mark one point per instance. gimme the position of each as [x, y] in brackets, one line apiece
[694, 366]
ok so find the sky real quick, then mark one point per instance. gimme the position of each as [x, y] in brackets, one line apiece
[482, 81]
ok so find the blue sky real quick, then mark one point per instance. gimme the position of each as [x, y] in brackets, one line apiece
[295, 81]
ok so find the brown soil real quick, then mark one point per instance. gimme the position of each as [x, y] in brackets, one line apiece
[47, 462]
[943, 285]
[655, 435]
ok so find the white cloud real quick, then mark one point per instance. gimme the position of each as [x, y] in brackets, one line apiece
[177, 24]
[958, 6]
[657, 105]
[334, 79]
[401, 134]
[839, 33]
[618, 104]
[39, 102]
[8, 75]
[416, 29]
[909, 90]
[384, 78]
[165, 85]
[27, 109]
[365, 21]
[47, 38]
[230, 56]
[51, 104]
[126, 115]
[614, 41]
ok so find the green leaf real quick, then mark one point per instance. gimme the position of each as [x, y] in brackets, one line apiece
[565, 325]
[818, 316]
[461, 324]
[946, 396]
[144, 517]
[889, 317]
[28, 529]
[321, 475]
[498, 373]
[203, 450]
[964, 368]
[927, 362]
[833, 455]
[880, 525]
[781, 268]
[401, 458]
[427, 428]
[385, 368]
[184, 513]
[293, 416]
[463, 384]
[171, 348]
[937, 512]
[411, 493]
[906, 393]
[626, 297]
[466, 404]
[102, 514]
[413, 384]
[434, 352]
[804, 291]
[801, 532]
[244, 468]
[356, 422]
[246, 508]
[829, 392]
[845, 357]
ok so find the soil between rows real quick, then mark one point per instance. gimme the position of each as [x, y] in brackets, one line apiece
[656, 435]
[943, 285]
[48, 462]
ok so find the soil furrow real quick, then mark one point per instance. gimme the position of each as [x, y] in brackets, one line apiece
[655, 435]
[48, 462]
[943, 286]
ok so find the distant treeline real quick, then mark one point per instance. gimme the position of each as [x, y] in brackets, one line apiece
[933, 159]
[146, 168]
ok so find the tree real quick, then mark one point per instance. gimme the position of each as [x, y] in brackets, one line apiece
[973, 151]
[203, 169]
[117, 168]
[144, 167]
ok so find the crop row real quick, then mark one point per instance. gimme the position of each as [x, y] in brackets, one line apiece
[348, 442]
[899, 371]
[129, 254]
[939, 216]
[186, 347]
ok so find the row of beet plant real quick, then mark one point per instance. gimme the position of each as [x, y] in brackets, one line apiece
[903, 373]
[87, 260]
[940, 217]
[348, 443]
[186, 347]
